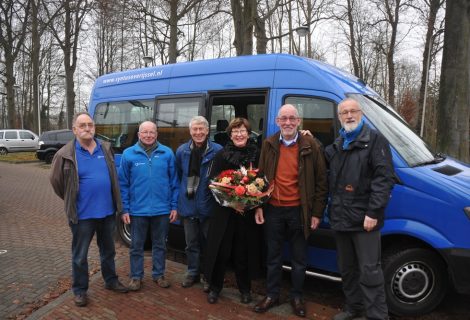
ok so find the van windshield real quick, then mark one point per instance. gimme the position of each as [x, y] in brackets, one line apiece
[407, 143]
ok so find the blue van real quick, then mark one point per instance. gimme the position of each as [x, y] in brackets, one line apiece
[425, 240]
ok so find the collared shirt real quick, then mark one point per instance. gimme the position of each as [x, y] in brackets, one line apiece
[94, 199]
[288, 143]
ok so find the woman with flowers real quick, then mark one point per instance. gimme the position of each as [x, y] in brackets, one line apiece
[233, 232]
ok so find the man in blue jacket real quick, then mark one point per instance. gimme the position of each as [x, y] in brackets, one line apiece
[193, 160]
[149, 192]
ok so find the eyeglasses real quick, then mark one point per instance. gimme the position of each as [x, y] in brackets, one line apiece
[148, 133]
[82, 126]
[242, 131]
[353, 112]
[284, 119]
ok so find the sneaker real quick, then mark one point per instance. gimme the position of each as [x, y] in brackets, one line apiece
[189, 281]
[162, 282]
[348, 315]
[80, 300]
[117, 286]
[134, 285]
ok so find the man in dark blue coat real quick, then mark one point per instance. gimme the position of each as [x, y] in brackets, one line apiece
[193, 161]
[361, 178]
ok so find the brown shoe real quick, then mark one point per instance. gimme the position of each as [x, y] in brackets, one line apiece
[266, 304]
[80, 300]
[162, 282]
[117, 286]
[134, 285]
[298, 307]
[189, 281]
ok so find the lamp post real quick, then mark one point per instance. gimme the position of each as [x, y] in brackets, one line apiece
[426, 79]
[147, 60]
[302, 31]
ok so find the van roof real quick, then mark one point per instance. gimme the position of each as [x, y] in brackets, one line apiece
[258, 71]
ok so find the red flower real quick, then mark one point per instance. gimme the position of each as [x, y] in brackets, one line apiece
[240, 190]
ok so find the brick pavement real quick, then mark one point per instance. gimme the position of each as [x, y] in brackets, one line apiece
[36, 266]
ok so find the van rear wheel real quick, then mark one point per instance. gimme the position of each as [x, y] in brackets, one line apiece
[3, 151]
[415, 281]
[48, 158]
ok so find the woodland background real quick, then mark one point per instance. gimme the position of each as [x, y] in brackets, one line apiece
[414, 53]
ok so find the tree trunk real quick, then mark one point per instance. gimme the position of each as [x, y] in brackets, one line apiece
[454, 95]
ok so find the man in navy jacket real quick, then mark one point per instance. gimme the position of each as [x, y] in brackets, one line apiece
[149, 192]
[193, 160]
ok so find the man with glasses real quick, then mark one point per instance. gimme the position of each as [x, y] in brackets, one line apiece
[195, 202]
[149, 190]
[361, 178]
[294, 163]
[84, 176]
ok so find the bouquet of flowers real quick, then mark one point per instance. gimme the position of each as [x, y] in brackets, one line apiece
[242, 189]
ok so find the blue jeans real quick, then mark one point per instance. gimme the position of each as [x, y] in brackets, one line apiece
[82, 234]
[195, 234]
[281, 224]
[158, 226]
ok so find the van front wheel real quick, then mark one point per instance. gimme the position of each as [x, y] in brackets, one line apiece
[415, 281]
[124, 231]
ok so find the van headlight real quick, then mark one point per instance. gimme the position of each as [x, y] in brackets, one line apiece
[467, 211]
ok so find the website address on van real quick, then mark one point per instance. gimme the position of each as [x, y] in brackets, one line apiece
[138, 76]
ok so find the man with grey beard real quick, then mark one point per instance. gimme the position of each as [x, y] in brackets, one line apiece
[361, 178]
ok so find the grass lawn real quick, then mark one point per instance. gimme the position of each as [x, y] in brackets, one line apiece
[19, 156]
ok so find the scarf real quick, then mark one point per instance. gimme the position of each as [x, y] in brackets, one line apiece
[244, 156]
[194, 168]
[148, 150]
[350, 136]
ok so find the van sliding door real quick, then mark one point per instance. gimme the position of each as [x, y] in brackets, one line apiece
[225, 106]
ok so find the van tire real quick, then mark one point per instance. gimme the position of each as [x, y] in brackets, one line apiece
[123, 231]
[3, 151]
[49, 156]
[415, 281]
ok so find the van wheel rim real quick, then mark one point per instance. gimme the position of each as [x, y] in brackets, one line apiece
[412, 282]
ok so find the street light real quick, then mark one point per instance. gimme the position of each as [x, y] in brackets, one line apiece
[426, 79]
[302, 31]
[147, 60]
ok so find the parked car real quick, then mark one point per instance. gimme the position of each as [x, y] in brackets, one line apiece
[16, 140]
[51, 141]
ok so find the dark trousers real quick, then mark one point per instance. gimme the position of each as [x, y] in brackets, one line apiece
[234, 239]
[281, 224]
[359, 261]
[82, 234]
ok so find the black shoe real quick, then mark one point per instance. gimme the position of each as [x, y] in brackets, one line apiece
[189, 281]
[298, 307]
[80, 300]
[117, 286]
[212, 297]
[266, 304]
[246, 298]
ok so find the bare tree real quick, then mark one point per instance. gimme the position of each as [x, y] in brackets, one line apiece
[13, 26]
[454, 96]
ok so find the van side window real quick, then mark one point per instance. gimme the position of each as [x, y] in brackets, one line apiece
[1, 134]
[118, 122]
[172, 118]
[26, 135]
[317, 116]
[226, 107]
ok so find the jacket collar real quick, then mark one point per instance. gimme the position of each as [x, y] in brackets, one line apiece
[275, 141]
[361, 140]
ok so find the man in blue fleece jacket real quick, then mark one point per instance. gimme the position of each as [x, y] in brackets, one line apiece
[149, 191]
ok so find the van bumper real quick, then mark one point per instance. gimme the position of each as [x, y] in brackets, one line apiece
[458, 262]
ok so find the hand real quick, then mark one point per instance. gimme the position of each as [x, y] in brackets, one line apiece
[173, 215]
[369, 223]
[314, 223]
[126, 218]
[259, 216]
[306, 133]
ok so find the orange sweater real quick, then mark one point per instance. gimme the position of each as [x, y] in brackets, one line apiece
[286, 188]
